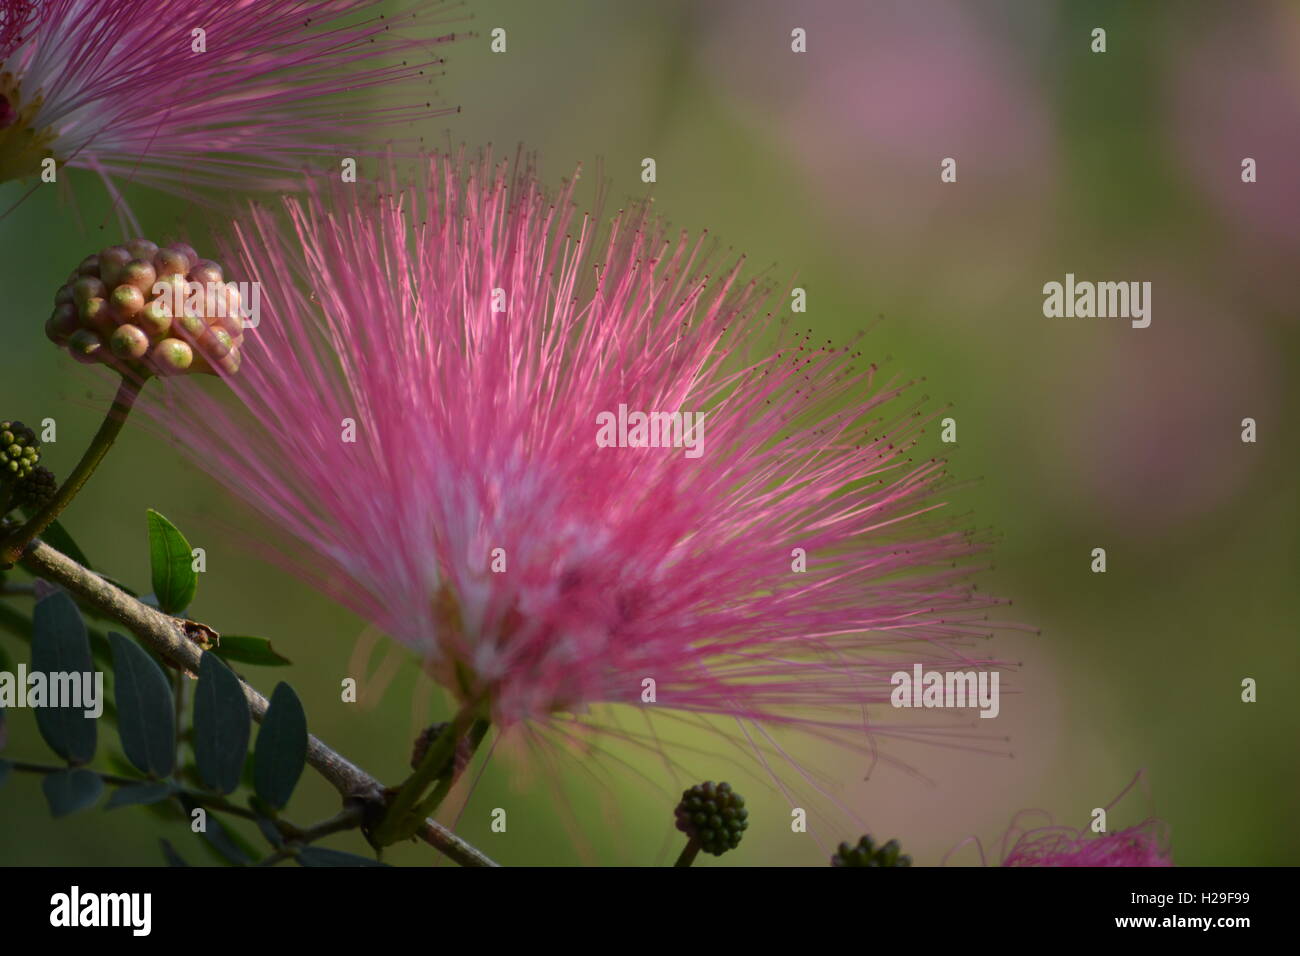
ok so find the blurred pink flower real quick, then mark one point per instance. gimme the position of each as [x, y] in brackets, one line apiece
[205, 92]
[1234, 93]
[1143, 844]
[884, 94]
[1158, 448]
[1140, 845]
[475, 517]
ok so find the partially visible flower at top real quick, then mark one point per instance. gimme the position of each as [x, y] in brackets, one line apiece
[419, 411]
[16, 16]
[193, 93]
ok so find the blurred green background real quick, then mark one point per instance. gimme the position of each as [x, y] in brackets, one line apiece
[1082, 433]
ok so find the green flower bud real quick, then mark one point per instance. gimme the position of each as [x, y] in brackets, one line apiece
[189, 327]
[141, 274]
[84, 346]
[171, 262]
[154, 318]
[97, 317]
[867, 854]
[87, 288]
[171, 356]
[63, 321]
[129, 342]
[127, 301]
[108, 312]
[215, 343]
[142, 249]
[207, 273]
[35, 491]
[713, 814]
[230, 363]
[19, 451]
[111, 261]
[187, 251]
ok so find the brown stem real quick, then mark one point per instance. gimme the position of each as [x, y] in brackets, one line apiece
[171, 638]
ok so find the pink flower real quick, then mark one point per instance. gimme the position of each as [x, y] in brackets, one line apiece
[420, 410]
[1140, 845]
[1143, 844]
[205, 92]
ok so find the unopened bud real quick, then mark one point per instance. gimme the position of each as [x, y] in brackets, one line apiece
[126, 302]
[129, 342]
[867, 854]
[713, 814]
[36, 490]
[87, 288]
[206, 272]
[63, 321]
[19, 451]
[142, 249]
[171, 262]
[84, 346]
[139, 274]
[171, 357]
[111, 262]
[108, 311]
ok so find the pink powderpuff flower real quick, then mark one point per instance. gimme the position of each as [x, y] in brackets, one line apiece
[421, 410]
[1140, 845]
[205, 92]
[1143, 844]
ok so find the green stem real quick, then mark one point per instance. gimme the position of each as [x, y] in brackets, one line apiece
[691, 850]
[17, 542]
[349, 818]
[403, 816]
[448, 780]
[114, 779]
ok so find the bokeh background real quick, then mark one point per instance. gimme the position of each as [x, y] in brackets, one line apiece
[1077, 433]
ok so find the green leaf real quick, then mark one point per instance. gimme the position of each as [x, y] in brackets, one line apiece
[281, 748]
[57, 537]
[320, 856]
[221, 725]
[232, 847]
[146, 716]
[174, 580]
[249, 650]
[147, 792]
[60, 646]
[270, 831]
[170, 855]
[228, 844]
[71, 790]
[5, 767]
